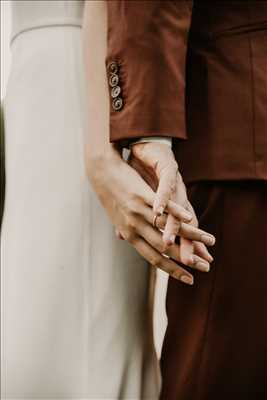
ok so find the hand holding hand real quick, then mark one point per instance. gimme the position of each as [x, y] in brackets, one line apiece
[156, 164]
[128, 200]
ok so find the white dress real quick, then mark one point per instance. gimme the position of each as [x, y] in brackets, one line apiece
[76, 315]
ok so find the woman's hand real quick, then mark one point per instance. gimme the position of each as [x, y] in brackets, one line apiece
[128, 200]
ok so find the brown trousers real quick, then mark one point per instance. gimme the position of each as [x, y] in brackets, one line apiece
[216, 340]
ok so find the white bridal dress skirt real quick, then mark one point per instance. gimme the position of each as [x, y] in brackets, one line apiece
[76, 316]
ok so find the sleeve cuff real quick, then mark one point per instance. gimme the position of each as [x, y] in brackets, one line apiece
[155, 139]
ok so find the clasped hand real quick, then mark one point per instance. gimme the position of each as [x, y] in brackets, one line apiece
[133, 193]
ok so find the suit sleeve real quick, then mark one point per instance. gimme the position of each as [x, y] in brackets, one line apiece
[145, 63]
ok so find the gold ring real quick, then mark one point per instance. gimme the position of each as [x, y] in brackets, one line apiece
[154, 221]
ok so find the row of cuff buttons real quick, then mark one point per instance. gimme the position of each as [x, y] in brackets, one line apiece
[117, 102]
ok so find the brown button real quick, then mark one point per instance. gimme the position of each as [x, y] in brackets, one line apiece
[113, 80]
[113, 67]
[117, 104]
[115, 91]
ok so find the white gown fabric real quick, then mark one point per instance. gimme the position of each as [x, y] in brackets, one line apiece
[76, 316]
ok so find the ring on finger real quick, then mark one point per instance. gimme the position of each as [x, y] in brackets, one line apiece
[154, 222]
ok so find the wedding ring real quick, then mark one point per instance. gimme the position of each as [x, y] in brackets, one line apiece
[155, 221]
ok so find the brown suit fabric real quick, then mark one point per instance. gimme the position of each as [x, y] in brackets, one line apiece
[216, 341]
[226, 93]
[198, 72]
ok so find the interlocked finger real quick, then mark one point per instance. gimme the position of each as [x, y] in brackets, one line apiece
[193, 233]
[172, 226]
[189, 259]
[201, 250]
[152, 235]
[157, 221]
[159, 261]
[187, 230]
[154, 238]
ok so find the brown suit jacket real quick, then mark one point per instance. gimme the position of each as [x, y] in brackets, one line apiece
[195, 71]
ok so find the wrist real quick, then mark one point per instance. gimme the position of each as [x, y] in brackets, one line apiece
[129, 143]
[152, 139]
[98, 160]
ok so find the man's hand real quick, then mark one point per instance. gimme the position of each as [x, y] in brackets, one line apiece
[128, 201]
[156, 160]
[156, 164]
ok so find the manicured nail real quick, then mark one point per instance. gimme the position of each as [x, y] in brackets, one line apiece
[187, 279]
[172, 239]
[210, 257]
[160, 210]
[199, 264]
[202, 266]
[208, 239]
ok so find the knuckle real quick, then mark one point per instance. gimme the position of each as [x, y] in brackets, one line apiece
[176, 226]
[133, 204]
[132, 238]
[173, 165]
[155, 261]
[186, 259]
[163, 200]
[130, 235]
[161, 247]
[194, 224]
[175, 274]
[131, 222]
[168, 166]
[173, 187]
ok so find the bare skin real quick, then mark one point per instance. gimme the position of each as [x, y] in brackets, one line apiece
[127, 197]
[155, 162]
[128, 200]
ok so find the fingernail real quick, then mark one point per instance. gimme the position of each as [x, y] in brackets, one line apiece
[160, 210]
[208, 239]
[187, 279]
[210, 257]
[187, 216]
[202, 266]
[199, 264]
[172, 239]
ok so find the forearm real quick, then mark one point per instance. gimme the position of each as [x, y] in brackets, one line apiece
[146, 68]
[96, 133]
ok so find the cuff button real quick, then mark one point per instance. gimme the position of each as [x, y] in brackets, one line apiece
[117, 104]
[115, 91]
[113, 80]
[113, 67]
